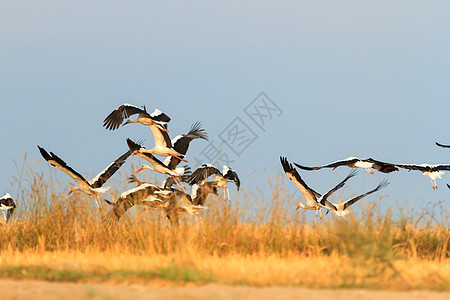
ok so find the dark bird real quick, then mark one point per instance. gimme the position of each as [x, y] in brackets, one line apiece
[340, 209]
[443, 146]
[220, 179]
[354, 162]
[314, 201]
[7, 206]
[434, 172]
[116, 118]
[95, 185]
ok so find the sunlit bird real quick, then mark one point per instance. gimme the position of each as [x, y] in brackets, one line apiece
[181, 142]
[340, 209]
[7, 206]
[95, 185]
[117, 117]
[157, 165]
[312, 198]
[434, 172]
[221, 179]
[354, 162]
[146, 194]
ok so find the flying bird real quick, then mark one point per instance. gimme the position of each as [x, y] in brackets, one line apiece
[434, 172]
[220, 179]
[146, 194]
[314, 201]
[181, 142]
[443, 146]
[157, 165]
[95, 185]
[7, 206]
[116, 118]
[340, 209]
[354, 162]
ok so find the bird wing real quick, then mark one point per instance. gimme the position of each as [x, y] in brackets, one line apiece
[109, 171]
[199, 193]
[443, 146]
[181, 142]
[424, 167]
[344, 162]
[129, 199]
[381, 185]
[159, 117]
[161, 137]
[337, 187]
[60, 164]
[293, 175]
[230, 174]
[115, 119]
[203, 172]
[382, 166]
[448, 185]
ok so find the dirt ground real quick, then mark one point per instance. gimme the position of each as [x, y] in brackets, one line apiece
[30, 289]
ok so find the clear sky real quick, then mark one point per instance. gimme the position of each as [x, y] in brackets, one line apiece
[348, 78]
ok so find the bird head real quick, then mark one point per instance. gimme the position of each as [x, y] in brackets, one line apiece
[73, 189]
[144, 167]
[300, 205]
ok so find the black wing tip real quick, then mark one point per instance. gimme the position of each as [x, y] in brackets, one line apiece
[197, 132]
[304, 167]
[287, 166]
[448, 185]
[44, 153]
[442, 145]
[133, 146]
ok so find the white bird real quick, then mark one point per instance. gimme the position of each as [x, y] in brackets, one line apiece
[220, 179]
[434, 172]
[312, 198]
[443, 146]
[7, 206]
[163, 144]
[354, 162]
[95, 185]
[147, 194]
[181, 142]
[116, 118]
[158, 166]
[340, 209]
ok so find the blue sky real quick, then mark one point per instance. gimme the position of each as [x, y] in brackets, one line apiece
[352, 78]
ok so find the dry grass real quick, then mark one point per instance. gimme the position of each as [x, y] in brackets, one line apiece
[55, 237]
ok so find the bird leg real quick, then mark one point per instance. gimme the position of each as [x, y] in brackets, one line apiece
[370, 171]
[228, 192]
[178, 157]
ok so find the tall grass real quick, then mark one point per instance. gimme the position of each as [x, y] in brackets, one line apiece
[49, 221]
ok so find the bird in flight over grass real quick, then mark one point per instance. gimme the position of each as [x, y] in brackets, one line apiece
[443, 146]
[123, 112]
[94, 187]
[220, 179]
[7, 206]
[314, 201]
[354, 162]
[434, 172]
[340, 209]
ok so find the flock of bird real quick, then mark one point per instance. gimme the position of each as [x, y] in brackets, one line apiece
[175, 201]
[166, 197]
[315, 201]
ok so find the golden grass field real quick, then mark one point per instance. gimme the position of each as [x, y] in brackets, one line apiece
[56, 237]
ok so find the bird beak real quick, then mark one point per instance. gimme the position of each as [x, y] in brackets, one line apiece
[142, 168]
[127, 122]
[136, 152]
[298, 207]
[69, 193]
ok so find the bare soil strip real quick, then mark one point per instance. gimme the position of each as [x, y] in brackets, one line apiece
[33, 289]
